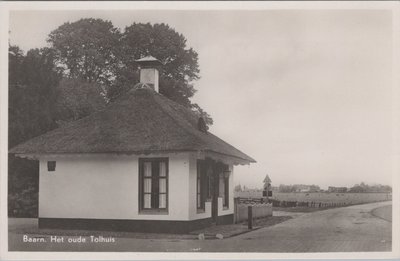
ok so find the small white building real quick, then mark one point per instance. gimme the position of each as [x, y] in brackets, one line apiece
[145, 163]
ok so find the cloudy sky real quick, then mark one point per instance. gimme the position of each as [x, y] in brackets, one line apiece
[307, 93]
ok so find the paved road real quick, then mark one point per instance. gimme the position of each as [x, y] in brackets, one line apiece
[345, 229]
[384, 212]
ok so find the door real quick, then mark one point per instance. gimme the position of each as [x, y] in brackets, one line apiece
[213, 173]
[212, 188]
[214, 193]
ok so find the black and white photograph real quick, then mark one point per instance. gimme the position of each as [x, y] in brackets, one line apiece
[251, 129]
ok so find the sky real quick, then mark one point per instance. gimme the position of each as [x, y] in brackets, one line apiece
[307, 93]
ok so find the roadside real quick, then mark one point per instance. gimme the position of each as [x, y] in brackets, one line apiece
[29, 226]
[347, 229]
[384, 212]
[225, 231]
[300, 209]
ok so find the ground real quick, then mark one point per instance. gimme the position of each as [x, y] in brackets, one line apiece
[384, 212]
[347, 229]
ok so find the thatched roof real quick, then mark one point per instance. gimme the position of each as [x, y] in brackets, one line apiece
[140, 122]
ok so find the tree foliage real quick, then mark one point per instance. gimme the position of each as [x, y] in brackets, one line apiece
[298, 188]
[237, 188]
[87, 49]
[96, 51]
[161, 41]
[31, 93]
[32, 81]
[364, 188]
[76, 98]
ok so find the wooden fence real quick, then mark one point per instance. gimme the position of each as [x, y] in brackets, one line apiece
[316, 197]
[311, 204]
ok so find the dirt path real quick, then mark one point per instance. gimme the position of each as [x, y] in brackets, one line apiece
[346, 229]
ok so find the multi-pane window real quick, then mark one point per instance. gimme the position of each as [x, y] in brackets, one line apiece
[210, 185]
[153, 183]
[201, 183]
[224, 188]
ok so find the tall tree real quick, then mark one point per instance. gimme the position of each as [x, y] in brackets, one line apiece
[15, 60]
[32, 81]
[87, 49]
[164, 43]
[31, 93]
[77, 98]
[180, 62]
[94, 50]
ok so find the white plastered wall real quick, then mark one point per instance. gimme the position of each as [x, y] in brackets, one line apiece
[150, 75]
[106, 187]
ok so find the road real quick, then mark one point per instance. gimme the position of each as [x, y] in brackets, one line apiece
[348, 229]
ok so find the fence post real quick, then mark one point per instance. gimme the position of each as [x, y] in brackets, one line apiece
[250, 217]
[235, 210]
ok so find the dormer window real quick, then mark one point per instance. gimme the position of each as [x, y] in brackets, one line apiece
[201, 125]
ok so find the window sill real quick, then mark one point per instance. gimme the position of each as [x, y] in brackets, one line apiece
[153, 212]
[225, 208]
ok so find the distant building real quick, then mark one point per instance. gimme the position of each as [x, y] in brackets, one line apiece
[275, 188]
[302, 188]
[337, 189]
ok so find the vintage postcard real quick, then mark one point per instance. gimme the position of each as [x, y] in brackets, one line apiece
[199, 130]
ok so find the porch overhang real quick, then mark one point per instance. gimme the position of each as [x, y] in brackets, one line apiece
[218, 157]
[227, 159]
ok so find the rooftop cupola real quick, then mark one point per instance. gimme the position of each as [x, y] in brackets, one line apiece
[148, 71]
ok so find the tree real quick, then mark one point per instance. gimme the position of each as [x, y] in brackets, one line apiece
[362, 188]
[87, 49]
[202, 113]
[77, 98]
[386, 188]
[31, 93]
[96, 51]
[164, 43]
[238, 188]
[314, 188]
[285, 188]
[15, 60]
[357, 189]
[180, 67]
[32, 81]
